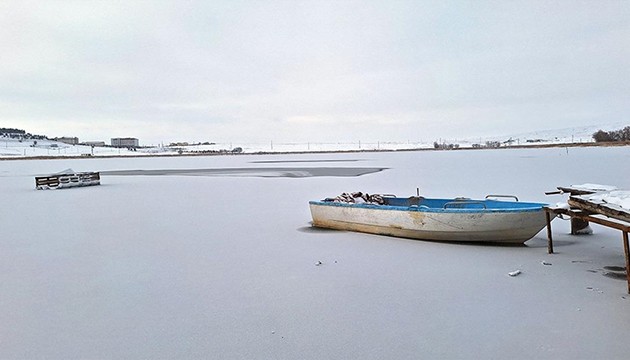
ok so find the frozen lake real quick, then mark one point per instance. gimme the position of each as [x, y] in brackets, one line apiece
[214, 257]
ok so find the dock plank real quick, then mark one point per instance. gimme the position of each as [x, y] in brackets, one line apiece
[613, 211]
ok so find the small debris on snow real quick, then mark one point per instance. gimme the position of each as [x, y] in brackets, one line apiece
[545, 263]
[318, 263]
[514, 273]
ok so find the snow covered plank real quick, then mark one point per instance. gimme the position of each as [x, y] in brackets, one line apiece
[585, 189]
[597, 205]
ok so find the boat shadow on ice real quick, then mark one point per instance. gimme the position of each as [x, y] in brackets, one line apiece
[311, 229]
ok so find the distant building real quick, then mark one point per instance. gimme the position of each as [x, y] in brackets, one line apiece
[68, 140]
[94, 143]
[125, 142]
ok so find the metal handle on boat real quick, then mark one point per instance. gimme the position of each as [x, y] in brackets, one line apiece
[502, 196]
[459, 203]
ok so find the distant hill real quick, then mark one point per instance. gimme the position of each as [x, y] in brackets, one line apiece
[562, 135]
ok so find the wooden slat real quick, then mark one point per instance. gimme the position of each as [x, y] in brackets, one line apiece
[575, 191]
[549, 238]
[587, 216]
[586, 205]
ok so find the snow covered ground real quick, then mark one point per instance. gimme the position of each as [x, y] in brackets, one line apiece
[13, 148]
[225, 265]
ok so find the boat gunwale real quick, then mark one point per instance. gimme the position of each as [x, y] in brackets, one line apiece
[521, 207]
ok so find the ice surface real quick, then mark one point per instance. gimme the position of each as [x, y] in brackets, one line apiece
[222, 267]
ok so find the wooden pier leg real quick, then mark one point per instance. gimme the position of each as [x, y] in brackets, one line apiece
[626, 251]
[577, 225]
[549, 238]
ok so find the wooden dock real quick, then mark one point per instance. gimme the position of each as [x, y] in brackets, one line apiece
[67, 180]
[585, 209]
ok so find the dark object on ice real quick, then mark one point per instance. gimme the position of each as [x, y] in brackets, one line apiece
[615, 275]
[615, 268]
[67, 180]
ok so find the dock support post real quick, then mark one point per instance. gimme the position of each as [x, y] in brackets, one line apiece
[577, 225]
[549, 238]
[626, 253]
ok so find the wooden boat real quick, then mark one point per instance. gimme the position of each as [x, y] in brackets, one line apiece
[458, 219]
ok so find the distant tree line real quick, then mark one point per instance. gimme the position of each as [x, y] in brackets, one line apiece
[11, 131]
[20, 134]
[614, 135]
[190, 144]
[444, 146]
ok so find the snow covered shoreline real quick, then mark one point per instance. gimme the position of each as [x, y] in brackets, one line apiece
[84, 152]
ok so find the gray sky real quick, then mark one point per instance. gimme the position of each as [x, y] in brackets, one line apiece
[259, 71]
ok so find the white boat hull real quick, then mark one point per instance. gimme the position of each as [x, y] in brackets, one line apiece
[491, 226]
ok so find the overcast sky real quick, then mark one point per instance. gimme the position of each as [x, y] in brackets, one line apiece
[259, 71]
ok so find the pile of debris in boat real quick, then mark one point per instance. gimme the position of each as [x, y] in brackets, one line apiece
[67, 179]
[358, 198]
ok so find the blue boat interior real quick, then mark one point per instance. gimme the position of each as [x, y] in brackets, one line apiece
[457, 203]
